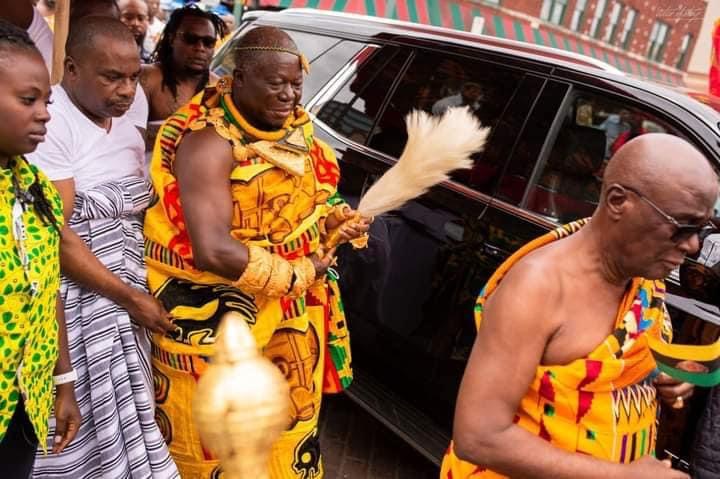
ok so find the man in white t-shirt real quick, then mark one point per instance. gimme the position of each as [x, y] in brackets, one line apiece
[94, 155]
[22, 14]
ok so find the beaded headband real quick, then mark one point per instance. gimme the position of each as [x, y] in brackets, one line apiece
[303, 59]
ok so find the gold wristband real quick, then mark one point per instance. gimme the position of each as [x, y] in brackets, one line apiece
[279, 283]
[257, 272]
[305, 276]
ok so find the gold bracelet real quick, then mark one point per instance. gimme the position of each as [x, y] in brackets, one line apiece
[279, 283]
[305, 276]
[257, 272]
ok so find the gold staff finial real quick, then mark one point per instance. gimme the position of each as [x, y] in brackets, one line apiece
[241, 404]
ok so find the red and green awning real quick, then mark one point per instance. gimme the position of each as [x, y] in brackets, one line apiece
[459, 15]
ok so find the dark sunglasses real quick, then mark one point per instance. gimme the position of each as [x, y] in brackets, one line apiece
[192, 39]
[683, 231]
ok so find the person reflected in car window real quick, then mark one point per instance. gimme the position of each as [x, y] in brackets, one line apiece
[471, 95]
[614, 125]
[635, 120]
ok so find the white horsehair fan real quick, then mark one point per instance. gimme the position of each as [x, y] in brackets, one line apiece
[436, 146]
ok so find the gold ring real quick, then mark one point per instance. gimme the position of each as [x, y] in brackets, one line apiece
[679, 403]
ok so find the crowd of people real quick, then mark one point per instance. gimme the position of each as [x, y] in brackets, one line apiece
[116, 272]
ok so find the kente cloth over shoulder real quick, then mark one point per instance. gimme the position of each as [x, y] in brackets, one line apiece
[603, 405]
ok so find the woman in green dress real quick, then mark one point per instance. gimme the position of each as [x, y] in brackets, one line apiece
[35, 371]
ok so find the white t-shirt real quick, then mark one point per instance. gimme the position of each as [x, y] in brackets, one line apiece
[41, 34]
[77, 148]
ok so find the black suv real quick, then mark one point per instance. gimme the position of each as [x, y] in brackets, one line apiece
[555, 119]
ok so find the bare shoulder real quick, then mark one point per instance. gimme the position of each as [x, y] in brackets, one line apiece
[532, 275]
[151, 77]
[528, 288]
[204, 146]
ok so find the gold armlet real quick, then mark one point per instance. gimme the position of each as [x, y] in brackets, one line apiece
[257, 272]
[305, 276]
[279, 283]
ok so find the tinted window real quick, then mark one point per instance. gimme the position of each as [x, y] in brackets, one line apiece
[435, 82]
[534, 128]
[353, 109]
[324, 67]
[567, 186]
[325, 54]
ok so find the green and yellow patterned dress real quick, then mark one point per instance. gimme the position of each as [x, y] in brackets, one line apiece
[28, 326]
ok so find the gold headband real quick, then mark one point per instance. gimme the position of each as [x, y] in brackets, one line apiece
[303, 59]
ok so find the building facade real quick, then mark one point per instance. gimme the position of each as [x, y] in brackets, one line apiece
[697, 71]
[651, 39]
[663, 31]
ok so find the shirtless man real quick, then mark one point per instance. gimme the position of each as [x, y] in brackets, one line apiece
[584, 297]
[182, 63]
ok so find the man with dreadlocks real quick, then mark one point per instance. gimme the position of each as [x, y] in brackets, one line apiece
[94, 155]
[182, 62]
[33, 338]
[247, 203]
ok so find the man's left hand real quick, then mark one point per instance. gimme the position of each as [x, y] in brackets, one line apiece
[67, 417]
[672, 391]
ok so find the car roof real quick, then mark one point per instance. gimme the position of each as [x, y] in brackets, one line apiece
[369, 27]
[372, 26]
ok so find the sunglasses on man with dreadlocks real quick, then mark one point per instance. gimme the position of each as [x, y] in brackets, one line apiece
[187, 45]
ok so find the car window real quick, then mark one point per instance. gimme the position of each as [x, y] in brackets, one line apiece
[351, 112]
[531, 135]
[567, 186]
[325, 54]
[435, 82]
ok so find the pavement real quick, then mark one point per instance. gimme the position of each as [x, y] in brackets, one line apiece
[357, 446]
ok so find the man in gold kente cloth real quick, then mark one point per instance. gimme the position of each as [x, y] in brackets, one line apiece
[246, 207]
[561, 381]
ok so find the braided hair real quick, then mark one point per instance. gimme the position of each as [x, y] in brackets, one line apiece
[42, 205]
[15, 39]
[163, 53]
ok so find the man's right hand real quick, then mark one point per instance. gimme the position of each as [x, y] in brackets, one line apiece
[650, 468]
[149, 312]
[322, 261]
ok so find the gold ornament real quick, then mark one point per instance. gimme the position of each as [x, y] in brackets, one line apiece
[242, 403]
[279, 283]
[304, 276]
[257, 272]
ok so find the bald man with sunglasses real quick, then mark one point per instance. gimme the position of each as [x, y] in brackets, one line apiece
[561, 382]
